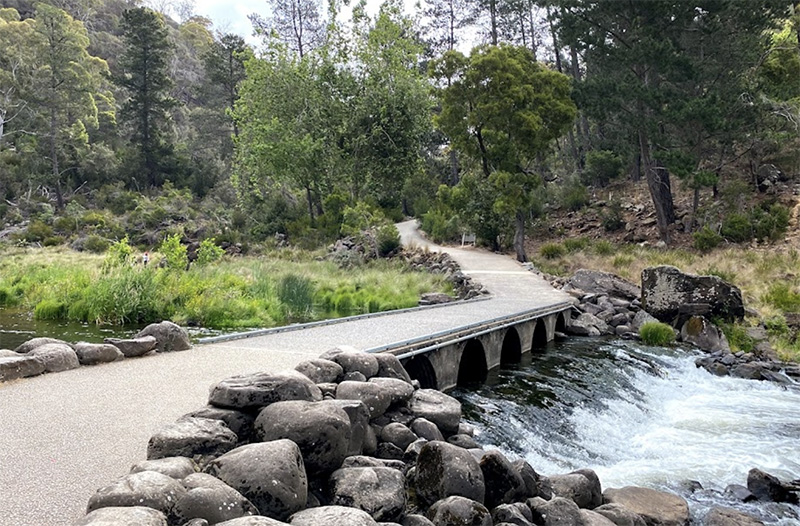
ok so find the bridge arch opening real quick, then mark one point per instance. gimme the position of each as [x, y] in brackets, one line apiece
[420, 368]
[539, 340]
[472, 368]
[512, 347]
[561, 322]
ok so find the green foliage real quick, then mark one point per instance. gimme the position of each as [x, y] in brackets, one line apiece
[601, 167]
[706, 239]
[656, 333]
[388, 239]
[96, 244]
[119, 254]
[574, 195]
[441, 226]
[776, 325]
[622, 261]
[37, 232]
[552, 250]
[737, 336]
[765, 223]
[296, 294]
[209, 252]
[612, 218]
[603, 248]
[728, 276]
[49, 310]
[576, 244]
[174, 252]
[782, 296]
[737, 228]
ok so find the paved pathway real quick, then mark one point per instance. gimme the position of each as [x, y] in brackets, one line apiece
[64, 435]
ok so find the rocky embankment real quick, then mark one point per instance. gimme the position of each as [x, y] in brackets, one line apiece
[610, 305]
[350, 439]
[49, 355]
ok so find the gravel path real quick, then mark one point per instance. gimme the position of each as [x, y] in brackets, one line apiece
[64, 435]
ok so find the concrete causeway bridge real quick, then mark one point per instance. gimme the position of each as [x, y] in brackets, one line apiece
[64, 435]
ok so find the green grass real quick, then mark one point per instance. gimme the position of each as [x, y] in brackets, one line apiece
[285, 287]
[552, 250]
[656, 333]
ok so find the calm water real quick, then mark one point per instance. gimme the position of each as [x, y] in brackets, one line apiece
[642, 416]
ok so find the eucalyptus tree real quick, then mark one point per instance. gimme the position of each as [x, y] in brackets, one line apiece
[297, 23]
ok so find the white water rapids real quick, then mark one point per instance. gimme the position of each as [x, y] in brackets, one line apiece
[643, 417]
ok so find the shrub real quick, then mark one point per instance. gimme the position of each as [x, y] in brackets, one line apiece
[737, 228]
[601, 167]
[574, 244]
[174, 252]
[388, 239]
[769, 224]
[7, 297]
[65, 225]
[52, 241]
[96, 244]
[574, 196]
[37, 231]
[706, 239]
[612, 218]
[93, 219]
[552, 250]
[50, 310]
[119, 254]
[737, 336]
[604, 248]
[776, 325]
[782, 297]
[722, 274]
[440, 226]
[656, 333]
[209, 252]
[296, 294]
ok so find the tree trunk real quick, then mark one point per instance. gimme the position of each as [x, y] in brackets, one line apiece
[519, 237]
[54, 157]
[310, 204]
[695, 206]
[658, 183]
[453, 168]
[484, 154]
[493, 18]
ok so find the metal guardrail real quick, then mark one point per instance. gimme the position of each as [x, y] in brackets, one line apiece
[424, 344]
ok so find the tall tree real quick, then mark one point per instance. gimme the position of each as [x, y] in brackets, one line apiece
[144, 77]
[224, 63]
[297, 23]
[504, 110]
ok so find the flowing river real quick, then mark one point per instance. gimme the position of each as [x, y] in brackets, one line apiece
[642, 416]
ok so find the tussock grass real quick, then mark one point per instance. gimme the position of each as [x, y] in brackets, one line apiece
[656, 333]
[286, 286]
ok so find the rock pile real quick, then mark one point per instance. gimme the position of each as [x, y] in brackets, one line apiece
[350, 439]
[48, 355]
[443, 263]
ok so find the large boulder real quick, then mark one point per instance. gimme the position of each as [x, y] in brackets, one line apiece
[598, 282]
[399, 390]
[518, 514]
[175, 467]
[211, 499]
[169, 336]
[95, 353]
[424, 428]
[379, 491]
[620, 515]
[200, 439]
[535, 485]
[657, 508]
[321, 430]
[256, 520]
[582, 487]
[56, 357]
[459, 511]
[253, 391]
[123, 516]
[437, 407]
[146, 488]
[398, 434]
[591, 518]
[239, 422]
[320, 371]
[353, 361]
[31, 344]
[704, 335]
[389, 366]
[444, 470]
[557, 511]
[377, 398]
[134, 347]
[271, 475]
[587, 324]
[729, 517]
[20, 366]
[669, 294]
[358, 414]
[504, 484]
[768, 487]
[332, 516]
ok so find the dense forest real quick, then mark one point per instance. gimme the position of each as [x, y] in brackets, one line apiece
[116, 119]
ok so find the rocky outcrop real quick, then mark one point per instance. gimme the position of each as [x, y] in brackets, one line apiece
[604, 284]
[672, 296]
[729, 517]
[657, 508]
[768, 487]
[704, 335]
[445, 470]
[169, 336]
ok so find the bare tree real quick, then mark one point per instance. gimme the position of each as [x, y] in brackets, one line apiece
[297, 23]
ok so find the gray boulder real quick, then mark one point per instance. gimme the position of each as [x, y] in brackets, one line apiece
[437, 407]
[95, 353]
[358, 414]
[320, 429]
[252, 391]
[257, 520]
[56, 357]
[271, 475]
[657, 508]
[20, 366]
[398, 434]
[459, 511]
[582, 487]
[379, 491]
[620, 515]
[133, 347]
[399, 390]
[504, 484]
[517, 513]
[375, 397]
[332, 516]
[557, 511]
[389, 366]
[424, 428]
[211, 499]
[588, 324]
[591, 518]
[445, 470]
[639, 319]
[415, 520]
[598, 282]
[704, 335]
[465, 441]
[239, 422]
[30, 345]
[667, 293]
[320, 371]
[200, 439]
[729, 517]
[169, 336]
[123, 516]
[146, 488]
[175, 467]
[768, 487]
[534, 484]
[352, 361]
